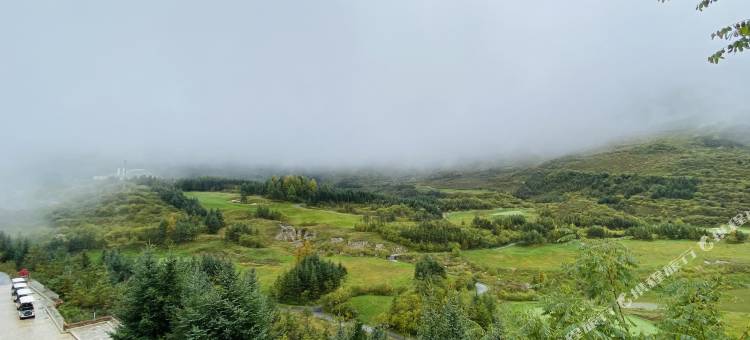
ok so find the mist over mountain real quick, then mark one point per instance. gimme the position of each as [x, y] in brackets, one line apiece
[174, 86]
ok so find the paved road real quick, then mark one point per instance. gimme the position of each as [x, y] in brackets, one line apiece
[99, 331]
[12, 328]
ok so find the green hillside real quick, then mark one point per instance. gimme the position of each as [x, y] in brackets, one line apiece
[701, 180]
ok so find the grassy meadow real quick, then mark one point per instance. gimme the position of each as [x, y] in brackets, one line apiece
[295, 214]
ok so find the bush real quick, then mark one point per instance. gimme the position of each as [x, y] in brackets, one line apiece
[679, 231]
[532, 237]
[427, 269]
[184, 231]
[268, 214]
[337, 304]
[736, 237]
[235, 231]
[214, 221]
[641, 233]
[250, 241]
[597, 232]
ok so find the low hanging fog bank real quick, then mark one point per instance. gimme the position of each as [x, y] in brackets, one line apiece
[333, 84]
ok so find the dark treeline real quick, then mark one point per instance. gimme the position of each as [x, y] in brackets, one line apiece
[173, 195]
[206, 183]
[603, 185]
[442, 235]
[13, 249]
[307, 190]
[670, 231]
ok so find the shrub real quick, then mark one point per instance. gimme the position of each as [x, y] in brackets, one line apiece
[736, 237]
[641, 233]
[532, 237]
[337, 304]
[268, 214]
[679, 231]
[184, 231]
[214, 221]
[427, 269]
[235, 231]
[597, 232]
[250, 241]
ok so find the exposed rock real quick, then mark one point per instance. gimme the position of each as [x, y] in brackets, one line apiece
[357, 244]
[290, 234]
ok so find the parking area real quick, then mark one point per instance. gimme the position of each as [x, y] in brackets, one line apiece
[41, 327]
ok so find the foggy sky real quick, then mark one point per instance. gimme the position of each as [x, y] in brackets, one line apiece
[351, 83]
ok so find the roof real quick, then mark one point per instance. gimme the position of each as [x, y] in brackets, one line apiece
[20, 285]
[18, 280]
[24, 291]
[26, 299]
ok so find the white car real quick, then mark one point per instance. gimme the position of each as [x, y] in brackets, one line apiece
[21, 293]
[16, 287]
[25, 306]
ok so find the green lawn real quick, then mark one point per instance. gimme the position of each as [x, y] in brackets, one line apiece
[466, 216]
[295, 214]
[534, 258]
[370, 306]
[368, 271]
[651, 255]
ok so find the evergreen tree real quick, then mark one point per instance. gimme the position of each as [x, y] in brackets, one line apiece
[308, 280]
[162, 233]
[233, 308]
[118, 266]
[152, 295]
[445, 321]
[214, 221]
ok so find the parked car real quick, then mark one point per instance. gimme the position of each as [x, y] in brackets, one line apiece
[25, 306]
[21, 293]
[17, 286]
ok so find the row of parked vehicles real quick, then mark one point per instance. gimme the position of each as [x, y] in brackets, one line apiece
[20, 292]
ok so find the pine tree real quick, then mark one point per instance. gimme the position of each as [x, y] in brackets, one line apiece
[445, 321]
[234, 308]
[151, 297]
[214, 221]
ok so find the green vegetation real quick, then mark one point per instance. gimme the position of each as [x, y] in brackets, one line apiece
[738, 34]
[174, 299]
[308, 280]
[369, 307]
[290, 212]
[428, 269]
[551, 256]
